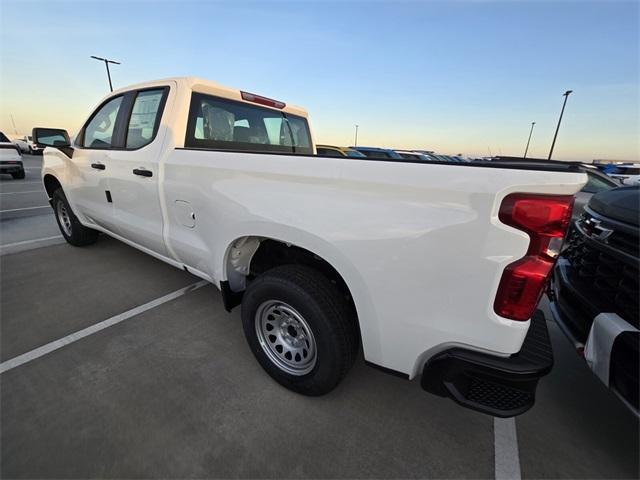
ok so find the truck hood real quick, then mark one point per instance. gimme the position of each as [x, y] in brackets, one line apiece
[621, 204]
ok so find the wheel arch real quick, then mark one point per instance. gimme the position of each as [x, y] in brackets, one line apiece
[51, 184]
[247, 256]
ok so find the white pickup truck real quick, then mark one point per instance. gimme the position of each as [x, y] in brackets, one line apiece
[435, 269]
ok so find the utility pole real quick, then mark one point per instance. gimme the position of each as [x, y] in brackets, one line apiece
[530, 132]
[355, 143]
[106, 64]
[553, 144]
[14, 125]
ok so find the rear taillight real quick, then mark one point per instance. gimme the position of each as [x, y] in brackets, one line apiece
[269, 102]
[545, 219]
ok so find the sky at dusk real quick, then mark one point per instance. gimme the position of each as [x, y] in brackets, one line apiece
[456, 77]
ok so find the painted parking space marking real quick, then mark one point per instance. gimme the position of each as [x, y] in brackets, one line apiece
[19, 193]
[505, 444]
[24, 208]
[85, 332]
[9, 182]
[35, 243]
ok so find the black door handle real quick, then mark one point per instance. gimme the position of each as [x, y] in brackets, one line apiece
[98, 166]
[142, 172]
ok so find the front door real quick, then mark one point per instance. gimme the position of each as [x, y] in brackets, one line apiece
[89, 176]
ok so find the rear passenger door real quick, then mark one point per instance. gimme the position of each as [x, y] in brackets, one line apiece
[134, 169]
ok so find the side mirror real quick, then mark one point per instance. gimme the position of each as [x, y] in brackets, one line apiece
[53, 137]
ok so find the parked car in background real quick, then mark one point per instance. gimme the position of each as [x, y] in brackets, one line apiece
[411, 155]
[597, 182]
[627, 174]
[594, 290]
[10, 158]
[375, 152]
[333, 151]
[325, 255]
[26, 145]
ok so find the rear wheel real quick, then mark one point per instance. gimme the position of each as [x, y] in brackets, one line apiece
[72, 230]
[300, 328]
[18, 175]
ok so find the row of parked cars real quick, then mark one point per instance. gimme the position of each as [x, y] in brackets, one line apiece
[376, 152]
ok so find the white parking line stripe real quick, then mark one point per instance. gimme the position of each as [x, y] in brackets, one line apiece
[85, 332]
[27, 242]
[505, 444]
[17, 193]
[25, 208]
[19, 183]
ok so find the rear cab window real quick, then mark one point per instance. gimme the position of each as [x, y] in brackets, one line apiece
[222, 124]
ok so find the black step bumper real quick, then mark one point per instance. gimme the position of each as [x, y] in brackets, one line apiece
[502, 387]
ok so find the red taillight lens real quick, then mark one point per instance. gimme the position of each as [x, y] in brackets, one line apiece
[269, 102]
[545, 219]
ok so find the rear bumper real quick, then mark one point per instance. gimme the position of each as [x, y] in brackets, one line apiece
[11, 167]
[502, 387]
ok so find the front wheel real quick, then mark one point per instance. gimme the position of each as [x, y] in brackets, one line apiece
[300, 328]
[72, 230]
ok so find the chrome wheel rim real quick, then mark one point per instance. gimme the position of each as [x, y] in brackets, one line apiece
[64, 218]
[286, 337]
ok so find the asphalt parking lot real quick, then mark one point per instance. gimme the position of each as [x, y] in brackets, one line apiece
[172, 390]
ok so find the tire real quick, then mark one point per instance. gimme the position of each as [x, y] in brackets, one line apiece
[18, 175]
[72, 230]
[30, 151]
[307, 309]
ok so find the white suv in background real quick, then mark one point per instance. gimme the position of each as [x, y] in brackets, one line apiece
[26, 145]
[10, 158]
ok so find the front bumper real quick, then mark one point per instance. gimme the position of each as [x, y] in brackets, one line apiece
[502, 387]
[609, 344]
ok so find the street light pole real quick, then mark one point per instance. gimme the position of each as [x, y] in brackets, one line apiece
[106, 64]
[553, 144]
[530, 133]
[355, 143]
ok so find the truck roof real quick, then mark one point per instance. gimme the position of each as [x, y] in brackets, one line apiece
[202, 85]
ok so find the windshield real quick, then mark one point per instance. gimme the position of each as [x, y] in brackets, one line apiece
[355, 153]
[3, 138]
[597, 184]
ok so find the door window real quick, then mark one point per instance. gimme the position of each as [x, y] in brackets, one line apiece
[144, 120]
[99, 131]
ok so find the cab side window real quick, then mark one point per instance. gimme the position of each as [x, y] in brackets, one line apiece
[144, 118]
[99, 131]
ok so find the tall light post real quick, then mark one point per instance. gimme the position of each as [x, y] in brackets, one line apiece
[355, 142]
[530, 133]
[553, 144]
[106, 64]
